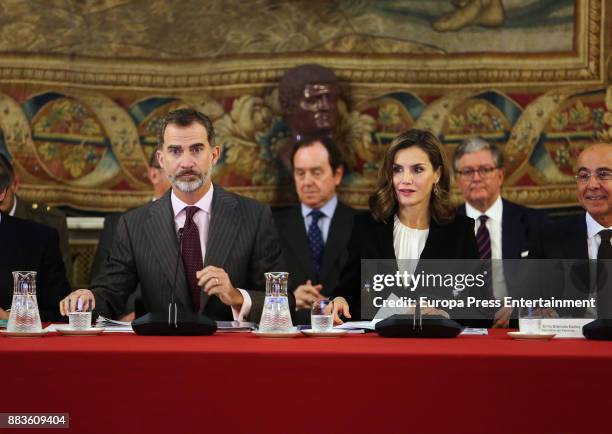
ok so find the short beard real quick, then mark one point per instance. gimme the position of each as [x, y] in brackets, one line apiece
[191, 186]
[187, 186]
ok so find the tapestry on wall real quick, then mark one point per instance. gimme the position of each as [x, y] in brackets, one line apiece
[83, 87]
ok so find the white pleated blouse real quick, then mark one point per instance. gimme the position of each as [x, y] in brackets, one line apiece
[408, 243]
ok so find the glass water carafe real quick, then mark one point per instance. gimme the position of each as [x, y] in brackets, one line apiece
[276, 316]
[24, 316]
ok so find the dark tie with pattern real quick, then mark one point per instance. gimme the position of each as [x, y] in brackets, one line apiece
[192, 255]
[483, 238]
[316, 243]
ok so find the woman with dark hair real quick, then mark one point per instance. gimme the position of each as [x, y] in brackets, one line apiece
[410, 217]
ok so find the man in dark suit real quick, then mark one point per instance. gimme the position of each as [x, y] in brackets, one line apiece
[585, 240]
[503, 229]
[37, 212]
[315, 233]
[160, 184]
[29, 246]
[228, 241]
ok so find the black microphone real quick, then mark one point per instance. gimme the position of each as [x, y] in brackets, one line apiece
[185, 324]
[173, 291]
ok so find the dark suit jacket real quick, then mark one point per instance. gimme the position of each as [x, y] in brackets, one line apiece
[296, 253]
[29, 246]
[103, 252]
[374, 240]
[45, 215]
[519, 225]
[242, 240]
[105, 243]
[570, 278]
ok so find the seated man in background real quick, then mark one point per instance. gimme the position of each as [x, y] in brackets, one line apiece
[315, 233]
[207, 246]
[587, 237]
[503, 229]
[29, 246]
[41, 213]
[160, 186]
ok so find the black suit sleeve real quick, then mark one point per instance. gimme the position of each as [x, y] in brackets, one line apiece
[105, 244]
[53, 285]
[349, 285]
[113, 287]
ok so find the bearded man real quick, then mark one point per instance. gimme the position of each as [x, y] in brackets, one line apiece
[208, 246]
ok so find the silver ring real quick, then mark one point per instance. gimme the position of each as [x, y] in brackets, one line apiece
[217, 280]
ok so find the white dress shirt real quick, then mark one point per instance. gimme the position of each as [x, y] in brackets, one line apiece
[202, 220]
[12, 211]
[593, 237]
[494, 225]
[324, 222]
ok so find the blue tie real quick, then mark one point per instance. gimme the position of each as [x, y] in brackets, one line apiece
[316, 243]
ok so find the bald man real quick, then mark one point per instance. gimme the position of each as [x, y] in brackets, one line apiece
[586, 237]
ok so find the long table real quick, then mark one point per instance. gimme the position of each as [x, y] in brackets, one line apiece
[232, 383]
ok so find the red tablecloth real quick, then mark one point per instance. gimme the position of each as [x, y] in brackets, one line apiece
[230, 383]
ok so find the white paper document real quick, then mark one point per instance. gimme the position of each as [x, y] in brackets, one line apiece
[114, 326]
[235, 326]
[358, 325]
[475, 331]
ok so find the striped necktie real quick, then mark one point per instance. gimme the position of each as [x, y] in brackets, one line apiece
[483, 238]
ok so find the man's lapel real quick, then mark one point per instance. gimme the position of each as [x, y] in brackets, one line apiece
[511, 232]
[576, 248]
[295, 230]
[164, 243]
[576, 240]
[222, 232]
[339, 232]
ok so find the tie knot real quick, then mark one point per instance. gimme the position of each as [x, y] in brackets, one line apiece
[605, 235]
[191, 210]
[316, 214]
[483, 219]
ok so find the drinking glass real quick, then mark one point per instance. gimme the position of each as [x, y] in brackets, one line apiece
[322, 316]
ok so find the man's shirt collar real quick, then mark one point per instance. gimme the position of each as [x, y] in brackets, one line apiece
[205, 203]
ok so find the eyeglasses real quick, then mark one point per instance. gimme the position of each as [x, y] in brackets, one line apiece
[482, 171]
[600, 174]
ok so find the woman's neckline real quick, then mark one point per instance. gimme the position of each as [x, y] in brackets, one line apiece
[397, 220]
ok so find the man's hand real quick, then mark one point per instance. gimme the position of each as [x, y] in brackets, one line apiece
[80, 297]
[4, 314]
[502, 317]
[306, 294]
[340, 307]
[215, 281]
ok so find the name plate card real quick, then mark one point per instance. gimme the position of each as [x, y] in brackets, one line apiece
[564, 327]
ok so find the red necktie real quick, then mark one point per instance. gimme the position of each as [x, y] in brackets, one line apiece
[192, 255]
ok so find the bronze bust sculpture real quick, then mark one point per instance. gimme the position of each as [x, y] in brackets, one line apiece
[308, 98]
